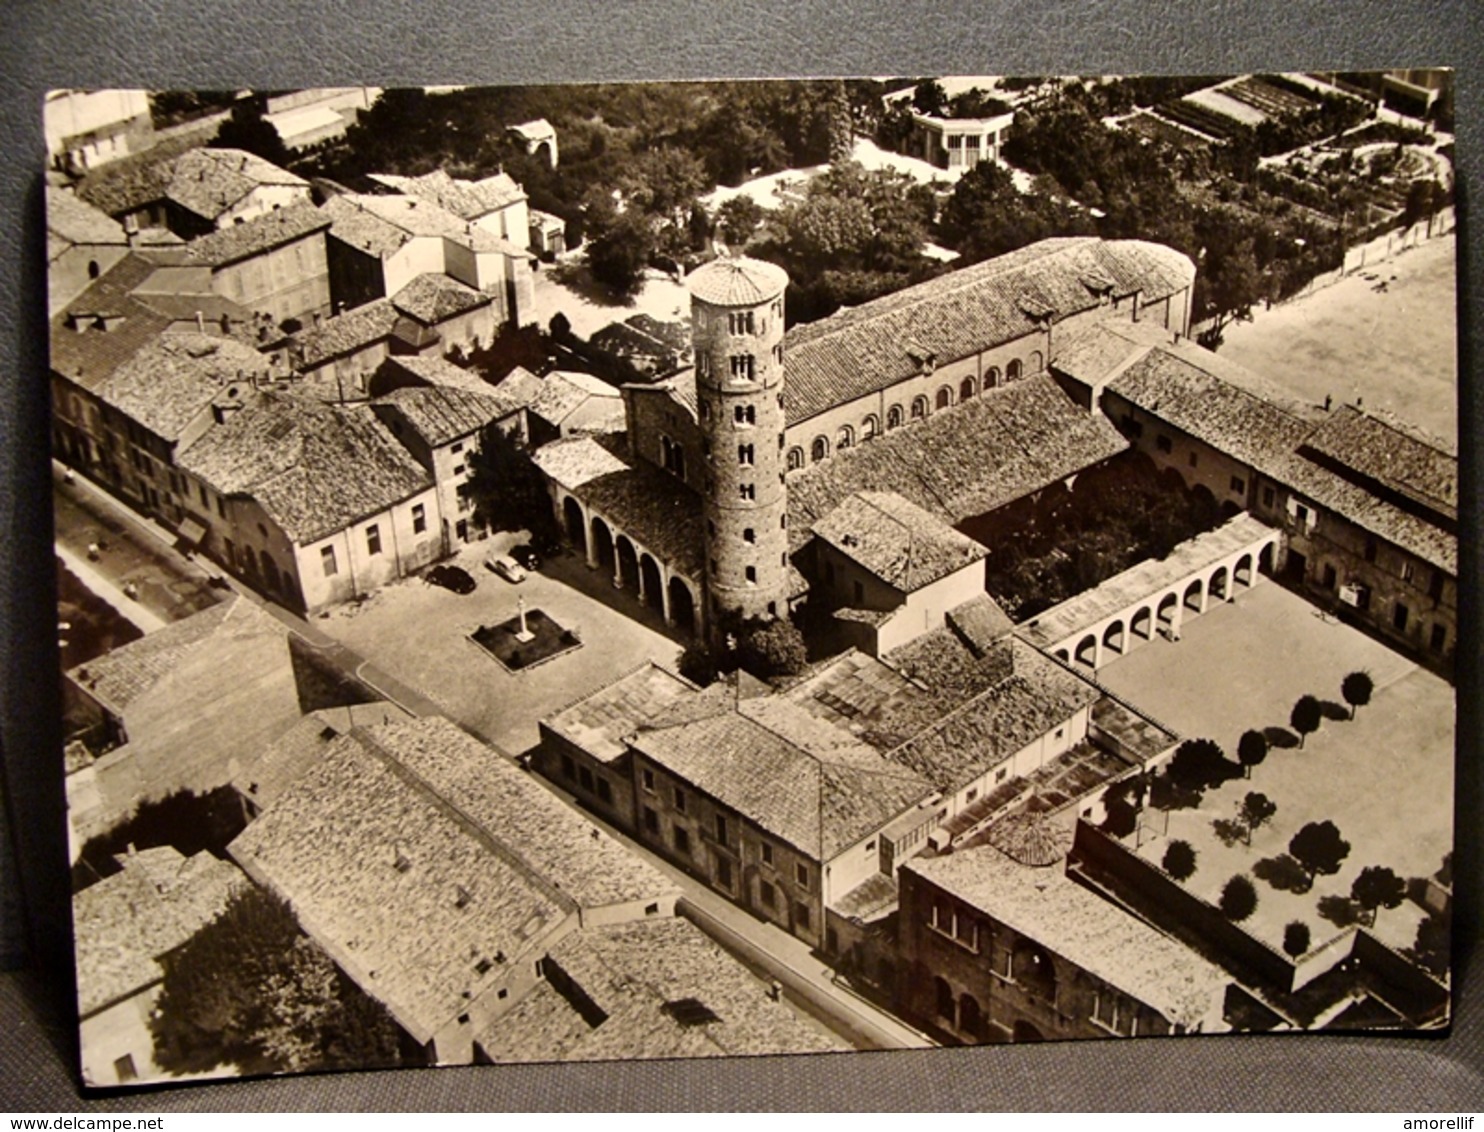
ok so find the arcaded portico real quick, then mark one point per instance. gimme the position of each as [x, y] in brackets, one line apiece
[1156, 597]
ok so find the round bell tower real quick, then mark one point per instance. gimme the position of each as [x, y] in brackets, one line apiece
[737, 330]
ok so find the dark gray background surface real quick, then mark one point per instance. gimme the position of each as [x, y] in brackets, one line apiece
[291, 43]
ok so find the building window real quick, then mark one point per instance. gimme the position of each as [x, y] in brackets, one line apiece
[751, 573]
[744, 455]
[801, 874]
[919, 408]
[585, 778]
[221, 506]
[1329, 578]
[327, 561]
[457, 447]
[1164, 443]
[801, 915]
[419, 518]
[744, 414]
[740, 322]
[723, 872]
[1301, 513]
[795, 459]
[679, 800]
[746, 491]
[569, 768]
[605, 792]
[1239, 485]
[767, 853]
[870, 427]
[1435, 586]
[767, 895]
[123, 1067]
[1268, 497]
[205, 500]
[819, 449]
[646, 776]
[721, 828]
[458, 469]
[651, 821]
[894, 417]
[715, 568]
[945, 398]
[1438, 639]
[1399, 617]
[1408, 571]
[844, 438]
[743, 366]
[373, 539]
[682, 841]
[749, 535]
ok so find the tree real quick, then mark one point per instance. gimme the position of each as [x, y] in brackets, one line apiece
[1433, 944]
[1198, 764]
[1377, 887]
[618, 255]
[772, 648]
[1252, 748]
[1296, 938]
[1255, 811]
[930, 97]
[737, 220]
[247, 129]
[251, 988]
[508, 490]
[1356, 689]
[1319, 849]
[1305, 717]
[1179, 860]
[1238, 899]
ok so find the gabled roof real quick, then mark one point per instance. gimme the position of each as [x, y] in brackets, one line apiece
[436, 371]
[423, 908]
[171, 381]
[599, 722]
[564, 392]
[284, 760]
[74, 221]
[803, 780]
[897, 541]
[1380, 449]
[737, 281]
[433, 297]
[665, 990]
[119, 677]
[382, 224]
[468, 200]
[1100, 937]
[315, 468]
[123, 924]
[980, 455]
[859, 351]
[441, 414]
[208, 182]
[347, 332]
[260, 234]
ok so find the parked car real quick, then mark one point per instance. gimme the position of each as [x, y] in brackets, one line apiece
[526, 555]
[451, 578]
[507, 567]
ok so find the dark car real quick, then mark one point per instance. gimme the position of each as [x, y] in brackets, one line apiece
[451, 578]
[526, 555]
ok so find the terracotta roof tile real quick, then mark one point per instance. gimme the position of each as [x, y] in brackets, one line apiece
[170, 382]
[898, 542]
[468, 200]
[208, 182]
[77, 222]
[258, 235]
[734, 281]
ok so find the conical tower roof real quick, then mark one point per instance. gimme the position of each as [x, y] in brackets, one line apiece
[737, 281]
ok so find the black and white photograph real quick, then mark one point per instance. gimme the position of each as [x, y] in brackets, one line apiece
[712, 569]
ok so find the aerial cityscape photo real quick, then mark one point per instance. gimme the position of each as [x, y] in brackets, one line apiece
[560, 573]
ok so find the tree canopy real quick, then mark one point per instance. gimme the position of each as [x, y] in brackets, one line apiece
[1179, 860]
[1306, 716]
[1356, 689]
[508, 490]
[1238, 898]
[1199, 764]
[1319, 849]
[1295, 938]
[1252, 748]
[247, 129]
[1377, 887]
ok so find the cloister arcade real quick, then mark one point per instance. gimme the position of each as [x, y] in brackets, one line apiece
[1152, 599]
[631, 565]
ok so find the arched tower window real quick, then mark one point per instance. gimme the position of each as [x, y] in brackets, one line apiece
[819, 450]
[894, 417]
[1012, 371]
[966, 389]
[870, 427]
[992, 378]
[919, 408]
[795, 459]
[945, 397]
[845, 437]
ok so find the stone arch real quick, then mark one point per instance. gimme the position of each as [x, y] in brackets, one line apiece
[1035, 363]
[845, 438]
[795, 458]
[1013, 370]
[819, 449]
[650, 582]
[992, 378]
[576, 524]
[919, 407]
[682, 604]
[966, 389]
[271, 576]
[1168, 609]
[1266, 558]
[943, 399]
[894, 417]
[1141, 624]
[1115, 637]
[1194, 595]
[1087, 650]
[1063, 656]
[944, 1003]
[870, 427]
[1023, 1031]
[970, 1017]
[627, 572]
[602, 544]
[1242, 572]
[1219, 585]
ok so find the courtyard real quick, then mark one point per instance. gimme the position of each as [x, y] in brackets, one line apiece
[420, 634]
[1384, 778]
[1397, 348]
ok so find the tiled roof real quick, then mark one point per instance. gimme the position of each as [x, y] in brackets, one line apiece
[564, 392]
[1388, 452]
[441, 414]
[168, 383]
[422, 908]
[964, 312]
[980, 622]
[633, 973]
[210, 181]
[577, 460]
[260, 234]
[536, 129]
[382, 224]
[899, 543]
[314, 468]
[858, 692]
[468, 200]
[599, 722]
[351, 224]
[118, 677]
[548, 837]
[1086, 930]
[125, 922]
[136, 180]
[963, 462]
[77, 222]
[283, 761]
[347, 332]
[805, 781]
[433, 297]
[440, 372]
[1037, 697]
[737, 281]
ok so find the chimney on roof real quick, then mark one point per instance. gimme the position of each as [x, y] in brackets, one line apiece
[131, 230]
[200, 323]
